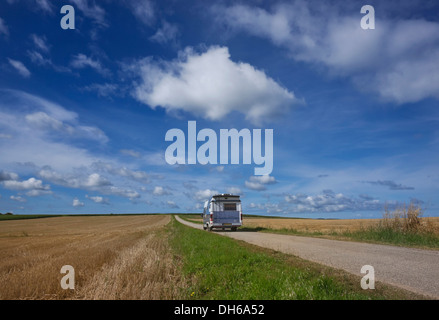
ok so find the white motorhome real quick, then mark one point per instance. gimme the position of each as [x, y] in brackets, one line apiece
[222, 211]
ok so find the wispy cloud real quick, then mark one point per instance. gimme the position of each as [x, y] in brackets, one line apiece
[3, 28]
[160, 191]
[40, 42]
[81, 61]
[45, 5]
[392, 185]
[92, 11]
[143, 11]
[167, 33]
[20, 67]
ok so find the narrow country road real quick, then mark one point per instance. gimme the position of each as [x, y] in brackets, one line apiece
[416, 270]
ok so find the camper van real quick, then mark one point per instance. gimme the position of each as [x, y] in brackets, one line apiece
[222, 211]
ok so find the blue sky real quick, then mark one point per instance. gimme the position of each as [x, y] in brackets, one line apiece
[84, 112]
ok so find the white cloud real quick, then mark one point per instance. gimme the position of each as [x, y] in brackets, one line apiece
[45, 5]
[234, 190]
[76, 203]
[258, 182]
[81, 61]
[92, 11]
[20, 67]
[172, 204]
[104, 90]
[98, 199]
[121, 192]
[34, 187]
[40, 42]
[44, 122]
[204, 195]
[211, 85]
[37, 58]
[136, 175]
[89, 181]
[18, 198]
[5, 136]
[5, 176]
[143, 10]
[399, 59]
[50, 156]
[131, 153]
[160, 191]
[3, 28]
[167, 33]
[329, 201]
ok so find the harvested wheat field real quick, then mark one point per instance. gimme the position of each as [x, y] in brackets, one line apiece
[114, 257]
[323, 226]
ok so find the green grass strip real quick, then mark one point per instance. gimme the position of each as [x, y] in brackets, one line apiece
[222, 268]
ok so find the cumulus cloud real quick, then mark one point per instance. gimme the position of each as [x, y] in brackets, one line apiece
[211, 85]
[31, 183]
[34, 187]
[259, 183]
[88, 181]
[18, 198]
[4, 176]
[204, 195]
[76, 203]
[399, 60]
[98, 199]
[329, 201]
[20, 67]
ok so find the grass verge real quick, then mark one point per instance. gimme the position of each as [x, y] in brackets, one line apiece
[404, 226]
[226, 269]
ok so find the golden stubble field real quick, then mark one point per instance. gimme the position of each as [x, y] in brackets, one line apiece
[114, 257]
[320, 225]
[324, 226]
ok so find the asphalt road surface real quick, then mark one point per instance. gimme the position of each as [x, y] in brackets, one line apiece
[416, 270]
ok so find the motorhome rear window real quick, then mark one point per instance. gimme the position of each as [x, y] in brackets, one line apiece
[229, 206]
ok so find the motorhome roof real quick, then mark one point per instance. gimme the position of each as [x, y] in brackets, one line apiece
[225, 195]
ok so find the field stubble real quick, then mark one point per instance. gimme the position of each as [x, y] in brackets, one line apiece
[120, 257]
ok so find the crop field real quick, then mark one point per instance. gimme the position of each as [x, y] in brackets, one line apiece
[154, 257]
[114, 257]
[322, 226]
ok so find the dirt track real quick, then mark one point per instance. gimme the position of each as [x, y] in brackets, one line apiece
[412, 269]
